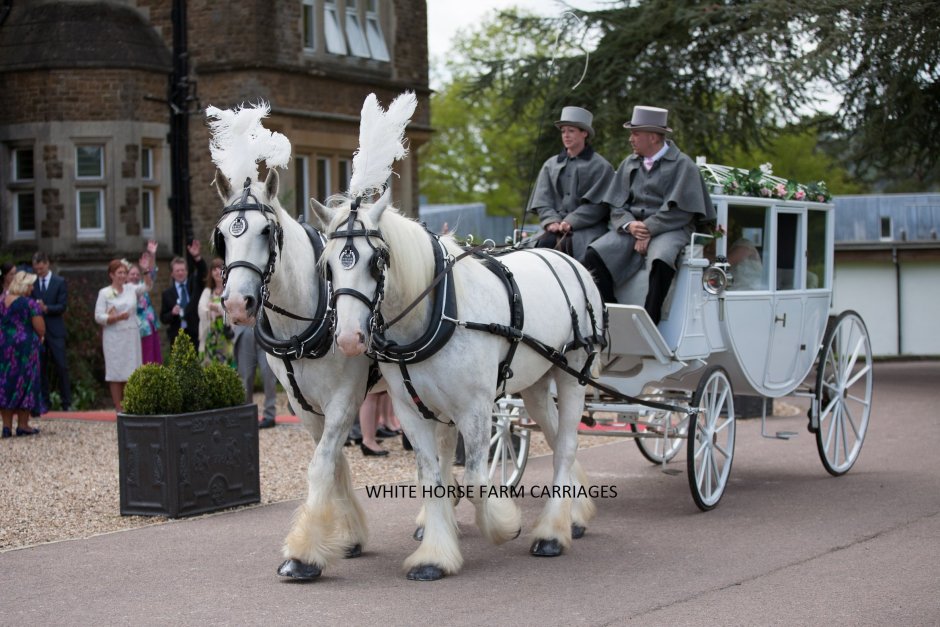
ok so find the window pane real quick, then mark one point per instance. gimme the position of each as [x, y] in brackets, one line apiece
[788, 241]
[816, 257]
[357, 39]
[146, 210]
[309, 25]
[323, 179]
[376, 39]
[345, 172]
[23, 164]
[25, 212]
[89, 211]
[146, 163]
[301, 186]
[335, 42]
[88, 161]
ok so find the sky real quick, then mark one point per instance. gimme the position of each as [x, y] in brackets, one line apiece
[447, 17]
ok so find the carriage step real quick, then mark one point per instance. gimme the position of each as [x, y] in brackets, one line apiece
[781, 435]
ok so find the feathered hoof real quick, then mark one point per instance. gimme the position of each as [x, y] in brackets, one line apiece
[353, 551]
[418, 534]
[295, 569]
[546, 548]
[577, 531]
[427, 572]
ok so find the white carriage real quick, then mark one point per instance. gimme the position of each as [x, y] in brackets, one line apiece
[759, 324]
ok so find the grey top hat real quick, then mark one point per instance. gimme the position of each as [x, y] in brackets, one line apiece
[577, 117]
[648, 119]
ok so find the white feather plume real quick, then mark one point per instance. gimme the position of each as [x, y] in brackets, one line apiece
[381, 142]
[239, 142]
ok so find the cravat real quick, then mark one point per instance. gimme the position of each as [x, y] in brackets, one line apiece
[648, 163]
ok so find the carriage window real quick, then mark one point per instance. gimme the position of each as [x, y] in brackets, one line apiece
[746, 228]
[816, 257]
[788, 245]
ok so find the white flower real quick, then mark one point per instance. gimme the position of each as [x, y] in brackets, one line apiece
[766, 168]
[700, 161]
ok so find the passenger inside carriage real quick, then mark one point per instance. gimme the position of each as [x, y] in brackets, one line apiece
[656, 198]
[747, 269]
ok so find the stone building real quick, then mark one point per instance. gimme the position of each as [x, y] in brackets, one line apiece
[103, 137]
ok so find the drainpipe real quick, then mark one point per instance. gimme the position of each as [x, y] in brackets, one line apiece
[897, 291]
[179, 89]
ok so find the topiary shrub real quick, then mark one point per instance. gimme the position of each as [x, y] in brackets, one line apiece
[225, 387]
[185, 364]
[153, 389]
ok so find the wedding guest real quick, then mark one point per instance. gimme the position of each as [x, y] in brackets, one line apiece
[116, 311]
[51, 292]
[22, 328]
[147, 321]
[215, 337]
[178, 306]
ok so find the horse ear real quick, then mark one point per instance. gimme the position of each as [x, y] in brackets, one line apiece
[271, 183]
[222, 185]
[322, 213]
[376, 210]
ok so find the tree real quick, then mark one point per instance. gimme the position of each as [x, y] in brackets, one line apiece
[735, 72]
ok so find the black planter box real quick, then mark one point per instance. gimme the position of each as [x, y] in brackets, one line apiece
[752, 406]
[186, 464]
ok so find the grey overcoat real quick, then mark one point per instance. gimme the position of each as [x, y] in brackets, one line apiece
[669, 200]
[572, 189]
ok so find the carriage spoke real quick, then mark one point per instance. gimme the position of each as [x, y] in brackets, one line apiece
[861, 373]
[848, 418]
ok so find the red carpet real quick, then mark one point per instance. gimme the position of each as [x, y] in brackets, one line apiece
[111, 416]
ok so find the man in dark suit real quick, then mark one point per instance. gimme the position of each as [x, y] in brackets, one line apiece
[51, 292]
[180, 300]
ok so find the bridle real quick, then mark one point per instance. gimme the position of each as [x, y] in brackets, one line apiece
[239, 226]
[349, 257]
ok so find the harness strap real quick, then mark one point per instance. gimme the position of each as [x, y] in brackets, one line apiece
[296, 388]
[516, 313]
[426, 413]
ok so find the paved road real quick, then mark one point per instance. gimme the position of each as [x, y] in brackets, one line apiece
[788, 545]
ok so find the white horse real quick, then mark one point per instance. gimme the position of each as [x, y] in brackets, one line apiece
[457, 382]
[271, 275]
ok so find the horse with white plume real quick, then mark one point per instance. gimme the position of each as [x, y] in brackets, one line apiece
[421, 304]
[289, 305]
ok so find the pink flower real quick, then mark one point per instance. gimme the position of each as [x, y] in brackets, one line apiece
[765, 192]
[781, 190]
[800, 194]
[821, 198]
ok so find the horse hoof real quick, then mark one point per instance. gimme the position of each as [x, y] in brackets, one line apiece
[295, 569]
[546, 548]
[577, 531]
[418, 534]
[428, 572]
[353, 551]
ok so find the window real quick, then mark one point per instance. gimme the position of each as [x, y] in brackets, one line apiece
[146, 164]
[886, 228]
[90, 212]
[146, 212]
[746, 250]
[24, 214]
[788, 251]
[302, 185]
[350, 27]
[345, 172]
[324, 183]
[333, 31]
[89, 162]
[23, 192]
[22, 165]
[374, 32]
[816, 253]
[309, 25]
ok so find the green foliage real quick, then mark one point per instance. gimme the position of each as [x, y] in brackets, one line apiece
[83, 347]
[153, 389]
[224, 386]
[186, 366]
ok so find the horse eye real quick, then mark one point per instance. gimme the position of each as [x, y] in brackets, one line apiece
[266, 230]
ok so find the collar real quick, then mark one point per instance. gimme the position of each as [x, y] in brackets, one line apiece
[669, 151]
[585, 154]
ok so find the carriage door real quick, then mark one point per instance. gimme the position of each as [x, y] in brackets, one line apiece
[787, 327]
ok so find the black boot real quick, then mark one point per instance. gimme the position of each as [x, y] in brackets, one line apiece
[660, 279]
[602, 277]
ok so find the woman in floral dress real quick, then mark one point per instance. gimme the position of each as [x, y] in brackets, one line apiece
[22, 328]
[216, 341]
[116, 311]
[147, 321]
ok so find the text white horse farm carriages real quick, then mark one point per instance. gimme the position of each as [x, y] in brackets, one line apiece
[450, 328]
[255, 237]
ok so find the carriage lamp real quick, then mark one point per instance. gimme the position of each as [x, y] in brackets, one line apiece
[716, 277]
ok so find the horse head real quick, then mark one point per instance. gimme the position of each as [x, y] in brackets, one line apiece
[247, 237]
[356, 257]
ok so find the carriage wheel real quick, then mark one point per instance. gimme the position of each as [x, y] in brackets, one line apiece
[676, 424]
[843, 392]
[711, 438]
[509, 444]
